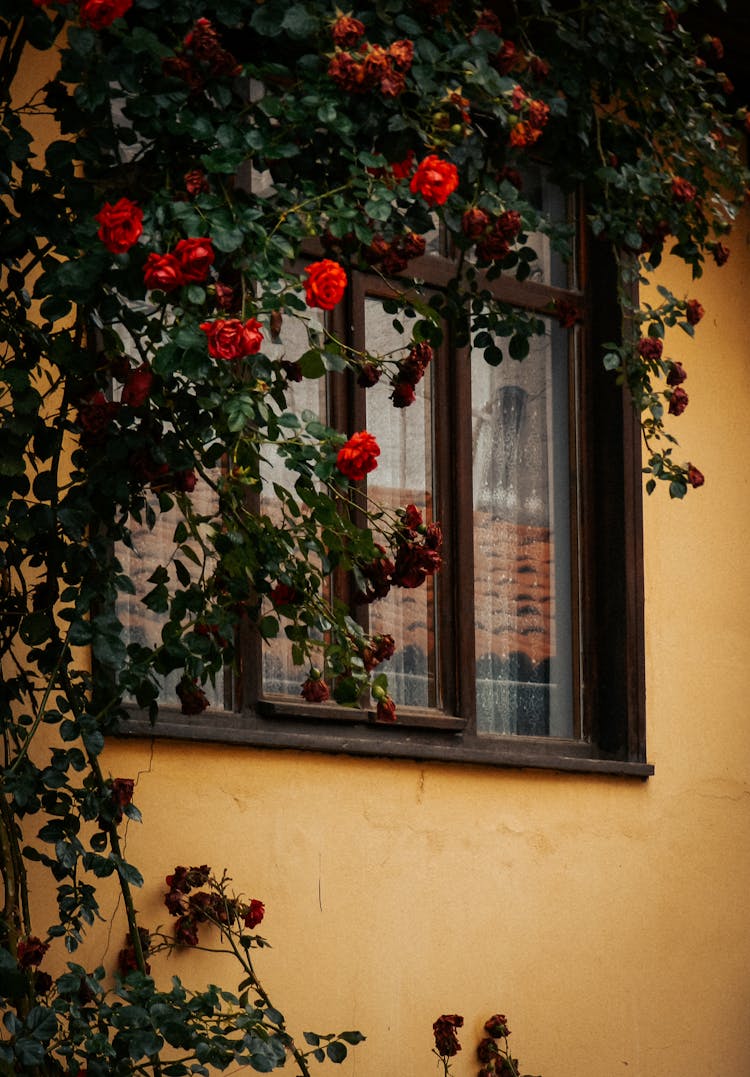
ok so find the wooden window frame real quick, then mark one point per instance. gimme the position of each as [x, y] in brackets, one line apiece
[609, 681]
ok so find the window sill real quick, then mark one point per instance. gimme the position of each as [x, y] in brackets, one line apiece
[379, 740]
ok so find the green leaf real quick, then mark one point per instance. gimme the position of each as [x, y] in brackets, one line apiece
[336, 1051]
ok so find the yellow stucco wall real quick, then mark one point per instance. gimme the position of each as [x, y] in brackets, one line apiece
[605, 916]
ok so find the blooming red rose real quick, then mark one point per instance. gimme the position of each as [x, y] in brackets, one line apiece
[186, 931]
[283, 595]
[120, 225]
[497, 1026]
[402, 54]
[255, 913]
[693, 311]
[191, 696]
[380, 649]
[446, 1041]
[196, 257]
[506, 58]
[474, 222]
[325, 284]
[677, 374]
[347, 31]
[403, 395]
[162, 271]
[369, 375]
[487, 1049]
[678, 401]
[232, 339]
[385, 710]
[358, 456]
[95, 416]
[435, 179]
[315, 689]
[137, 387]
[721, 253]
[538, 114]
[696, 478]
[650, 348]
[31, 951]
[122, 795]
[682, 190]
[196, 182]
[414, 563]
[378, 575]
[523, 134]
[99, 14]
[412, 517]
[401, 169]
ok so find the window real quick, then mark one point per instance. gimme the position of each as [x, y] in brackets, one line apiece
[526, 649]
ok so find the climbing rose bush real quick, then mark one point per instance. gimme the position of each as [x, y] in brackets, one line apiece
[176, 258]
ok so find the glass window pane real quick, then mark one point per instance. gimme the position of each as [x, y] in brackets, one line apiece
[522, 561]
[403, 476]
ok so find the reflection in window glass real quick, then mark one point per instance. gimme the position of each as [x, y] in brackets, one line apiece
[521, 541]
[151, 549]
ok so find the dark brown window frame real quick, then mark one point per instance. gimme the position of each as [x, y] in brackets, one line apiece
[609, 682]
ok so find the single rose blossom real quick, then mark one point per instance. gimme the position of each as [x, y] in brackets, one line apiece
[162, 271]
[695, 477]
[414, 563]
[95, 416]
[192, 697]
[412, 517]
[315, 689]
[283, 595]
[31, 951]
[650, 348]
[196, 182]
[721, 254]
[346, 31]
[402, 169]
[325, 284]
[678, 401]
[677, 373]
[378, 574]
[435, 179]
[122, 795]
[506, 58]
[196, 256]
[567, 313]
[474, 222]
[99, 14]
[403, 395]
[358, 456]
[497, 1026]
[369, 375]
[137, 388]
[444, 1029]
[255, 913]
[380, 649]
[185, 481]
[386, 710]
[682, 190]
[231, 339]
[120, 225]
[693, 311]
[487, 1050]
[186, 932]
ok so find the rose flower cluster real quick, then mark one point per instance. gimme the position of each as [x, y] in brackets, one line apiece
[202, 56]
[368, 67]
[209, 905]
[493, 236]
[417, 547]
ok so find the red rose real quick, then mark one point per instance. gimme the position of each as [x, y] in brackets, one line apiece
[325, 284]
[196, 257]
[196, 182]
[567, 313]
[435, 179]
[232, 339]
[696, 478]
[414, 563]
[720, 253]
[98, 14]
[444, 1029]
[474, 222]
[497, 1026]
[283, 595]
[650, 348]
[31, 951]
[402, 54]
[347, 31]
[162, 271]
[682, 191]
[255, 913]
[369, 375]
[401, 169]
[381, 648]
[138, 386]
[506, 58]
[186, 932]
[677, 374]
[378, 574]
[95, 416]
[412, 517]
[358, 456]
[693, 311]
[315, 689]
[385, 710]
[403, 395]
[678, 401]
[191, 696]
[487, 1049]
[120, 225]
[185, 481]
